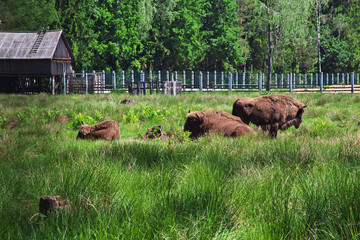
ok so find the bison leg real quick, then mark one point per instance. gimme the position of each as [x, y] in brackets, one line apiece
[274, 129]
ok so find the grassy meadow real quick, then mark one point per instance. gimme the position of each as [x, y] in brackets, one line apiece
[303, 185]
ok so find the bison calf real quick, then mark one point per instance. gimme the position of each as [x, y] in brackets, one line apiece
[108, 130]
[211, 120]
[271, 112]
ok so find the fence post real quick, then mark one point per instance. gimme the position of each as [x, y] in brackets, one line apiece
[176, 76]
[352, 82]
[64, 82]
[103, 81]
[260, 83]
[305, 80]
[207, 80]
[200, 81]
[132, 76]
[184, 77]
[321, 82]
[230, 81]
[192, 80]
[290, 82]
[174, 88]
[214, 79]
[86, 83]
[114, 80]
[141, 76]
[222, 80]
[243, 80]
[357, 78]
[236, 80]
[123, 78]
[327, 79]
[167, 76]
[332, 79]
[343, 78]
[159, 76]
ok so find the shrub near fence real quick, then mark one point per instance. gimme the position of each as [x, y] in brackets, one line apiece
[105, 82]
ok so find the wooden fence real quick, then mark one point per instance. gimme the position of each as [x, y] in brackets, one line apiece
[142, 82]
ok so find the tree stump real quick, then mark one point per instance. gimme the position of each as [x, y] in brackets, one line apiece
[50, 204]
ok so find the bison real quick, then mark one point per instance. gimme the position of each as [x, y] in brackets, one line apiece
[211, 120]
[108, 130]
[271, 112]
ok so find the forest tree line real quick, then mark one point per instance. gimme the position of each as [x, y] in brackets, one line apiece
[222, 35]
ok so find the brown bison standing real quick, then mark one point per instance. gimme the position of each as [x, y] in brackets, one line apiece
[211, 120]
[271, 112]
[108, 130]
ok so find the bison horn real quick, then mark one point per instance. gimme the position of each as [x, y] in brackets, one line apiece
[305, 105]
[198, 115]
[82, 122]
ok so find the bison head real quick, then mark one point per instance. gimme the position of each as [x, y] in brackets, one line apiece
[299, 116]
[193, 124]
[84, 130]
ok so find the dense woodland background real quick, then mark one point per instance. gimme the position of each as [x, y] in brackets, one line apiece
[199, 34]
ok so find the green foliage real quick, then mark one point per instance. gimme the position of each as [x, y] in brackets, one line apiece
[77, 120]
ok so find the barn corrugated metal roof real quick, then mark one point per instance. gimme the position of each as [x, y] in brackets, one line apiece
[19, 45]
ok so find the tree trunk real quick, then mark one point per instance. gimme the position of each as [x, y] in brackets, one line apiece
[268, 88]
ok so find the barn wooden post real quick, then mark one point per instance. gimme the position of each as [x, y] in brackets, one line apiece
[352, 82]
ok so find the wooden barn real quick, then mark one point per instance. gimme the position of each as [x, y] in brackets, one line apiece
[33, 61]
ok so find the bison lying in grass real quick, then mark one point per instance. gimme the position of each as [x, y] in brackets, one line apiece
[108, 130]
[211, 120]
[271, 112]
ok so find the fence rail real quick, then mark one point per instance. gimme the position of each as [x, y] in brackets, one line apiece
[106, 82]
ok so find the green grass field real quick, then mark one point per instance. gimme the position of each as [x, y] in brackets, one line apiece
[303, 185]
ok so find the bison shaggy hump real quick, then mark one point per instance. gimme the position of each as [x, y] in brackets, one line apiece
[271, 112]
[108, 130]
[211, 120]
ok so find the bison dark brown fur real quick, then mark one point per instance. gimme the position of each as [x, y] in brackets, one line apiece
[108, 130]
[271, 112]
[211, 120]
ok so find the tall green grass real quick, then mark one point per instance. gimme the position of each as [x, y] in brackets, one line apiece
[303, 185]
